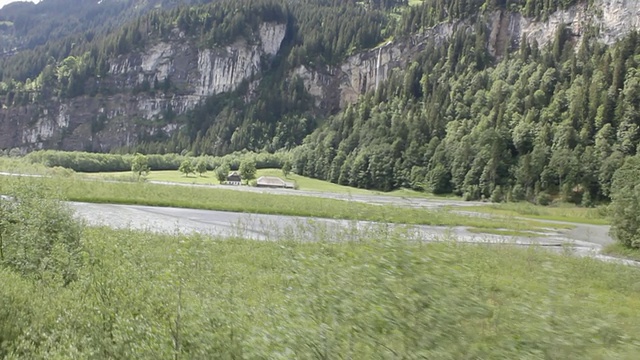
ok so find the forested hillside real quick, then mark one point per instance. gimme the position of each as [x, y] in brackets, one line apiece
[25, 25]
[461, 117]
[558, 119]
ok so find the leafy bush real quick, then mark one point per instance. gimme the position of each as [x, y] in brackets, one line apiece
[140, 166]
[248, 169]
[587, 199]
[61, 172]
[625, 203]
[497, 194]
[544, 199]
[518, 193]
[222, 172]
[39, 237]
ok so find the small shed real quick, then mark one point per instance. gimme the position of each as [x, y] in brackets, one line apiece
[273, 182]
[234, 178]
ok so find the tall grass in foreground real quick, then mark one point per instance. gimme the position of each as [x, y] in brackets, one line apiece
[142, 295]
[230, 200]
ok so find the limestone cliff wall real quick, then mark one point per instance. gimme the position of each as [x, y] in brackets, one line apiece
[195, 73]
[363, 72]
[103, 122]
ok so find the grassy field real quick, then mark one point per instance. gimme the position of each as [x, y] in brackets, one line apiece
[619, 250]
[165, 175]
[563, 212]
[19, 166]
[303, 182]
[141, 296]
[76, 189]
[504, 232]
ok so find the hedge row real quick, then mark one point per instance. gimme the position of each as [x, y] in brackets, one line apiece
[97, 162]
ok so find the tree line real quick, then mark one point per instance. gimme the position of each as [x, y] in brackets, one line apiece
[97, 162]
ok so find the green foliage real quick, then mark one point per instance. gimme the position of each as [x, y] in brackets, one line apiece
[432, 12]
[143, 193]
[142, 295]
[186, 167]
[619, 250]
[518, 193]
[201, 166]
[563, 212]
[286, 168]
[248, 169]
[39, 238]
[535, 121]
[544, 199]
[497, 195]
[140, 165]
[222, 172]
[625, 203]
[95, 162]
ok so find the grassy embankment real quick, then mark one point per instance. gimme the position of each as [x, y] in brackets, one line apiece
[562, 212]
[141, 295]
[619, 250]
[75, 189]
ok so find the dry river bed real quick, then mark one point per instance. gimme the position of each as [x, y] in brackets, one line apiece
[582, 240]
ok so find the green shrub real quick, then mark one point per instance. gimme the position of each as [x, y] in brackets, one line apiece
[625, 203]
[543, 199]
[518, 193]
[95, 162]
[497, 195]
[39, 237]
[587, 199]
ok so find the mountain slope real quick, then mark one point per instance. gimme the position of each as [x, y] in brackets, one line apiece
[503, 101]
[28, 25]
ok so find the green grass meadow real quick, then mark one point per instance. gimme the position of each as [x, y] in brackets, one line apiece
[621, 251]
[561, 212]
[140, 193]
[303, 182]
[141, 296]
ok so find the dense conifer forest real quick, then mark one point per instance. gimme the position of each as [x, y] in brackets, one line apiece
[554, 120]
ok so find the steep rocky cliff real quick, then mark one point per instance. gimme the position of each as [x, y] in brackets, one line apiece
[338, 86]
[102, 122]
[612, 18]
[194, 73]
[335, 87]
